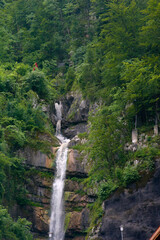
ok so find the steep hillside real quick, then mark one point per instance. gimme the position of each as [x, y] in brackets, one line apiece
[101, 60]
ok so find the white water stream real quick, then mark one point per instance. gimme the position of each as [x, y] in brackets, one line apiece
[56, 227]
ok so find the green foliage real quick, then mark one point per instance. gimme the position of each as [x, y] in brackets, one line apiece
[36, 82]
[23, 93]
[97, 213]
[10, 229]
[67, 220]
[130, 175]
[70, 76]
[12, 180]
[106, 139]
[146, 157]
[14, 136]
[107, 49]
[83, 135]
[151, 30]
[106, 188]
[142, 83]
[88, 74]
[78, 147]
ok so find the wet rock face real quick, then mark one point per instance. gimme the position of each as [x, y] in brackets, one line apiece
[74, 114]
[39, 188]
[72, 131]
[138, 212]
[74, 121]
[75, 165]
[76, 200]
[75, 109]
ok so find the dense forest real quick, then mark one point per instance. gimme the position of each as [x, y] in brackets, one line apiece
[107, 49]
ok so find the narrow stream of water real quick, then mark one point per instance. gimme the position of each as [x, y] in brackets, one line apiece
[56, 227]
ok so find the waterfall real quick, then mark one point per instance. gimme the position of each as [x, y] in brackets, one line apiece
[56, 227]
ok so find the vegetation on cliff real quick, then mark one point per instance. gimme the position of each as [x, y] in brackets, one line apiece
[109, 50]
[10, 229]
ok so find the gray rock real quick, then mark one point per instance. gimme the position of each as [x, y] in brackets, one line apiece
[37, 158]
[75, 165]
[74, 111]
[74, 141]
[137, 210]
[71, 131]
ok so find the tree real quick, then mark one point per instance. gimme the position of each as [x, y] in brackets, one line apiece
[151, 30]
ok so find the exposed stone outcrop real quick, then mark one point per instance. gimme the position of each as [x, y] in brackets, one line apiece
[41, 175]
[38, 159]
[77, 111]
[74, 114]
[37, 208]
[77, 214]
[39, 187]
[40, 219]
[79, 221]
[137, 209]
[76, 200]
[76, 165]
[71, 131]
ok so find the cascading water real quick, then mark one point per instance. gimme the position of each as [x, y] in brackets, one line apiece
[56, 227]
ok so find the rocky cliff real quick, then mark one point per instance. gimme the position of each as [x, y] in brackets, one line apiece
[41, 168]
[136, 207]
[74, 114]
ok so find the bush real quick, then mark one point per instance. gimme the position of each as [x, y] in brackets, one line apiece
[146, 157]
[130, 175]
[106, 188]
[15, 230]
[36, 81]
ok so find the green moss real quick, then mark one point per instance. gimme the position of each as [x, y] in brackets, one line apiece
[34, 204]
[77, 209]
[83, 135]
[105, 189]
[67, 220]
[75, 179]
[80, 192]
[71, 116]
[34, 172]
[67, 195]
[96, 214]
[79, 147]
[48, 175]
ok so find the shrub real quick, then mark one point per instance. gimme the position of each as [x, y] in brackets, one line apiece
[106, 188]
[15, 230]
[130, 175]
[36, 81]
